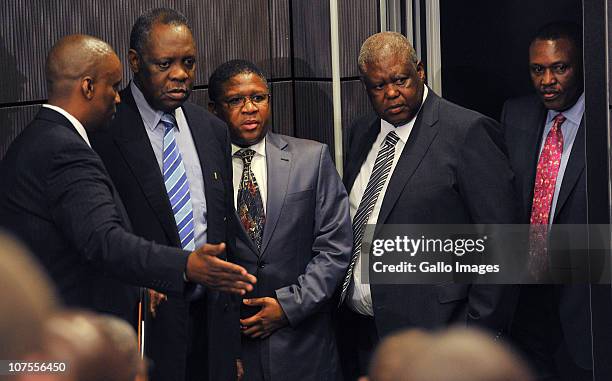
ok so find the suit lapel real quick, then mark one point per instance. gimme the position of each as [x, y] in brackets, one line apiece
[211, 159]
[135, 146]
[423, 133]
[278, 161]
[575, 166]
[531, 148]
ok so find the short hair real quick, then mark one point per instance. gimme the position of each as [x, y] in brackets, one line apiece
[227, 71]
[382, 44]
[139, 35]
[561, 29]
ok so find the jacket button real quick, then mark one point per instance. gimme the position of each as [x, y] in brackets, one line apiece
[261, 265]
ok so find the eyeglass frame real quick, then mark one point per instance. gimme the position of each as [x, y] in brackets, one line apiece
[244, 98]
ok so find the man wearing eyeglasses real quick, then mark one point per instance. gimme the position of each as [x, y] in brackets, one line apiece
[292, 232]
[170, 162]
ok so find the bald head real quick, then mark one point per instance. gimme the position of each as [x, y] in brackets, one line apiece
[27, 297]
[385, 45]
[97, 347]
[454, 355]
[72, 58]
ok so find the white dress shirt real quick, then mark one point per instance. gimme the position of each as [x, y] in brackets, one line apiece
[75, 122]
[258, 166]
[359, 297]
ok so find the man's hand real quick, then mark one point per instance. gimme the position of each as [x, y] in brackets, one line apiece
[155, 299]
[239, 370]
[270, 318]
[204, 267]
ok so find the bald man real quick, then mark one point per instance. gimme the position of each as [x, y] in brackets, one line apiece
[453, 355]
[95, 347]
[57, 197]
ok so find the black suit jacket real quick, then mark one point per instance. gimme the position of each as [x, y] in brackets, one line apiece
[453, 170]
[127, 153]
[523, 120]
[57, 197]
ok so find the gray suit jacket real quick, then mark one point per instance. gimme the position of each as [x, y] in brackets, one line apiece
[304, 254]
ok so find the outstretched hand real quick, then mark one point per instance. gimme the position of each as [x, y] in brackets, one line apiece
[204, 266]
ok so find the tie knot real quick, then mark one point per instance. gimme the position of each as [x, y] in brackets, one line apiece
[246, 155]
[168, 121]
[558, 120]
[391, 139]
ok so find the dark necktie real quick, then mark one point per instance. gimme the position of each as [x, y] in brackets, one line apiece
[249, 203]
[382, 167]
[543, 193]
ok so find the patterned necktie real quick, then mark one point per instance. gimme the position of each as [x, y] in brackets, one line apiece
[543, 193]
[177, 185]
[382, 167]
[250, 204]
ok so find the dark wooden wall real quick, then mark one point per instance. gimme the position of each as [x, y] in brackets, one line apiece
[288, 39]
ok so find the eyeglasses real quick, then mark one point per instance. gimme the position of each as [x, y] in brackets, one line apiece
[240, 101]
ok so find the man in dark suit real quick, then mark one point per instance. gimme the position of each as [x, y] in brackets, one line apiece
[423, 160]
[184, 335]
[548, 127]
[293, 231]
[56, 196]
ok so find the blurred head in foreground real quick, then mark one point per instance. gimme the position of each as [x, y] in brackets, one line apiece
[452, 355]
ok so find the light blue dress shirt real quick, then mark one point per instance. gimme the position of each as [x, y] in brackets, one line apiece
[155, 130]
[569, 129]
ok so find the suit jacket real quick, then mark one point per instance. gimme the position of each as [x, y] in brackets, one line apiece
[127, 153]
[56, 196]
[304, 254]
[452, 170]
[524, 119]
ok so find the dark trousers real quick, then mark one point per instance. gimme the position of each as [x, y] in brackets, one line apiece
[357, 340]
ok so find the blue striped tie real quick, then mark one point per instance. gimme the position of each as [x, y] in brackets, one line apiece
[177, 185]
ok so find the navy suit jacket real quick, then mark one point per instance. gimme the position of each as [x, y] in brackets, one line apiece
[523, 120]
[305, 251]
[57, 197]
[452, 170]
[127, 153]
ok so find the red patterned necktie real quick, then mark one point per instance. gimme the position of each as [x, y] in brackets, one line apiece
[543, 193]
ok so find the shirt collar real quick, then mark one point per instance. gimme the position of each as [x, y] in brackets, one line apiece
[573, 114]
[74, 121]
[403, 131]
[150, 117]
[259, 148]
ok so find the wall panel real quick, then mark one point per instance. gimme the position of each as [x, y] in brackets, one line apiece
[355, 105]
[313, 112]
[358, 20]
[12, 121]
[282, 108]
[311, 38]
[281, 39]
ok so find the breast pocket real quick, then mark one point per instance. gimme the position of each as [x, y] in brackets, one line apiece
[297, 196]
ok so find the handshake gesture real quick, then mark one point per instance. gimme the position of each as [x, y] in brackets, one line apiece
[205, 267]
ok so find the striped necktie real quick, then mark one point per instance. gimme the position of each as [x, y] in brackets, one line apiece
[177, 185]
[382, 167]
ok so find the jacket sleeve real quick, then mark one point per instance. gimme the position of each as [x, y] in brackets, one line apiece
[82, 203]
[331, 248]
